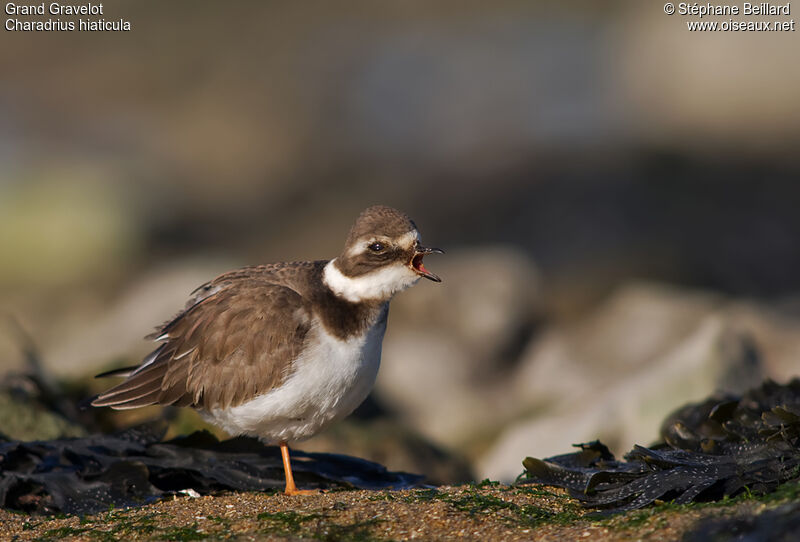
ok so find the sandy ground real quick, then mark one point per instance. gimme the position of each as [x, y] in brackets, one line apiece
[471, 512]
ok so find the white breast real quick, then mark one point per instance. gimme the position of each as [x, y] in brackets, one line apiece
[329, 380]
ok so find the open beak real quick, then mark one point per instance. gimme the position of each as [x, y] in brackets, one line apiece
[419, 267]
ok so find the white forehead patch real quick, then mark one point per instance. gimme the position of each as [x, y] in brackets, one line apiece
[408, 240]
[405, 241]
[380, 284]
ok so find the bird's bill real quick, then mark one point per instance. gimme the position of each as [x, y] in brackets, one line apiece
[419, 267]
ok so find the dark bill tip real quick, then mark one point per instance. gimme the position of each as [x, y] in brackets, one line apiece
[431, 276]
[419, 253]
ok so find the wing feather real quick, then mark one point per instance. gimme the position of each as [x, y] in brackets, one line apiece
[235, 340]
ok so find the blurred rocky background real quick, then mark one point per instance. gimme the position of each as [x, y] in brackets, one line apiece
[618, 198]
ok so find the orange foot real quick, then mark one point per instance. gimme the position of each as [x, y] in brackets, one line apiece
[291, 488]
[296, 491]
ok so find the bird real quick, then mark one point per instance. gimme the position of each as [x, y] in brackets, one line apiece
[280, 351]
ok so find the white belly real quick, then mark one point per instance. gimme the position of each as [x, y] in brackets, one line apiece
[329, 381]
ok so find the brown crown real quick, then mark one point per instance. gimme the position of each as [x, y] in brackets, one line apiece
[380, 220]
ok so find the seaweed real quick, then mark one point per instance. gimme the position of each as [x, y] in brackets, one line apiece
[133, 467]
[718, 448]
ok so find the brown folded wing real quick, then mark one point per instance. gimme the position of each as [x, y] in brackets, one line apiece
[230, 345]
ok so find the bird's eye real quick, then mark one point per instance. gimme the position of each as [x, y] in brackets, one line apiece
[376, 247]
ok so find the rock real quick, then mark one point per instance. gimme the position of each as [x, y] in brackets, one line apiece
[615, 375]
[27, 412]
[779, 524]
[448, 346]
[22, 420]
[487, 295]
[633, 328]
[91, 340]
[776, 333]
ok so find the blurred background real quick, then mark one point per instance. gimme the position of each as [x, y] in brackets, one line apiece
[618, 198]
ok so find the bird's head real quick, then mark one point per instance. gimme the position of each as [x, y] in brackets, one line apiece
[382, 256]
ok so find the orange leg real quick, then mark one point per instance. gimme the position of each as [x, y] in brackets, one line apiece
[291, 489]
